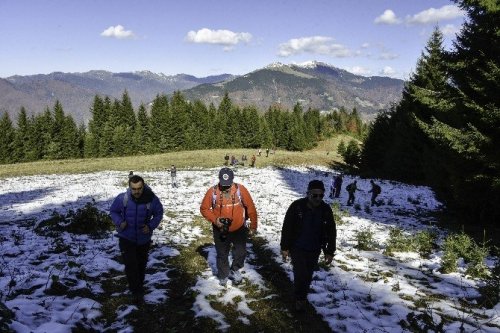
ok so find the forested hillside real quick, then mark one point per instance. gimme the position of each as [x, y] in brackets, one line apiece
[173, 124]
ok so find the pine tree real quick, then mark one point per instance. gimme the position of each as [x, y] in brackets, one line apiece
[142, 135]
[466, 131]
[396, 146]
[352, 153]
[296, 130]
[178, 120]
[250, 127]
[159, 125]
[7, 134]
[21, 139]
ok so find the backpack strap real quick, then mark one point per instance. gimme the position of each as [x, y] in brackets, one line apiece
[214, 195]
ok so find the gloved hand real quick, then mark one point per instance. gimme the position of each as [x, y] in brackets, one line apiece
[122, 226]
[284, 255]
[328, 259]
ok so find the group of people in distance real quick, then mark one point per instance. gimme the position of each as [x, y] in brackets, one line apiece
[308, 229]
[336, 187]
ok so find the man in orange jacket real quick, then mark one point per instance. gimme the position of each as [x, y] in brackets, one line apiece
[227, 206]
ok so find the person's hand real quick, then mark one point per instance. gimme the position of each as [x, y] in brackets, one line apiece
[328, 259]
[217, 223]
[122, 226]
[284, 255]
[145, 229]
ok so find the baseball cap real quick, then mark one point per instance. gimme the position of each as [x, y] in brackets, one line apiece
[226, 177]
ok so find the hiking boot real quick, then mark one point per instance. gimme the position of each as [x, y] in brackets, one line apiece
[138, 298]
[236, 277]
[223, 282]
[300, 305]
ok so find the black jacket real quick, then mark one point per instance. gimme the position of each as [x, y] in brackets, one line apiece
[292, 226]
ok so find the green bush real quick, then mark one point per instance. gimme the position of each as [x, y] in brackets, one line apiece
[338, 213]
[365, 240]
[86, 220]
[398, 242]
[463, 246]
[490, 291]
[425, 242]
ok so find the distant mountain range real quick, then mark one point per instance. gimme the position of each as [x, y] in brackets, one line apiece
[314, 84]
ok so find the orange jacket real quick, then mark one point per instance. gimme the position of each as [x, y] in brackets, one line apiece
[230, 207]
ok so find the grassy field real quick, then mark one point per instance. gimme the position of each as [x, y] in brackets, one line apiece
[324, 154]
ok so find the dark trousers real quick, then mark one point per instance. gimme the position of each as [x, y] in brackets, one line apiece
[238, 240]
[351, 198]
[374, 199]
[337, 192]
[304, 263]
[135, 258]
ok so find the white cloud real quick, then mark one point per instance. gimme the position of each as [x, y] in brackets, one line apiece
[118, 32]
[450, 30]
[365, 45]
[359, 70]
[315, 45]
[388, 17]
[387, 71]
[388, 56]
[433, 15]
[226, 38]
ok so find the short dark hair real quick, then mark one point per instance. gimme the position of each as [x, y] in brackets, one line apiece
[135, 179]
[316, 184]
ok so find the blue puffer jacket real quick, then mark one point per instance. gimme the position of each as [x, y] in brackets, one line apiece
[136, 214]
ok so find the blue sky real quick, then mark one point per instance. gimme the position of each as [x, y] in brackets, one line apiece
[367, 37]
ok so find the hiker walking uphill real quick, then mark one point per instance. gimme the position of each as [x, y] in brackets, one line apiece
[227, 205]
[308, 228]
[136, 213]
[375, 191]
[332, 188]
[351, 189]
[173, 175]
[337, 184]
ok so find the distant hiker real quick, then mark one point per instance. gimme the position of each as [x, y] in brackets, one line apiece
[337, 184]
[260, 151]
[233, 160]
[226, 159]
[332, 187]
[173, 175]
[130, 174]
[351, 189]
[267, 152]
[375, 191]
[227, 206]
[308, 228]
[252, 161]
[136, 213]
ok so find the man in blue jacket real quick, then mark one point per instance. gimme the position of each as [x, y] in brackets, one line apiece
[136, 213]
[308, 228]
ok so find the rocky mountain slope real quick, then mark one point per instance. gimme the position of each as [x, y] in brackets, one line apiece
[315, 85]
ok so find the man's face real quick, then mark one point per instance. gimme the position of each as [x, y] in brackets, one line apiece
[136, 189]
[315, 196]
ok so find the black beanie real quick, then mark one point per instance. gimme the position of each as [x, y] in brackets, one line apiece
[316, 184]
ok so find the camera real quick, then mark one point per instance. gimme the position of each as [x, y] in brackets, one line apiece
[226, 223]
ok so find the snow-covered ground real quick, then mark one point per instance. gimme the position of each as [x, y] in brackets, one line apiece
[362, 291]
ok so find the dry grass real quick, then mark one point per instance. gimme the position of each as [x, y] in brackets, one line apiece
[324, 154]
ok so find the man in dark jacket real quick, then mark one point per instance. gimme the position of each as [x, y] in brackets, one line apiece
[308, 228]
[136, 213]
